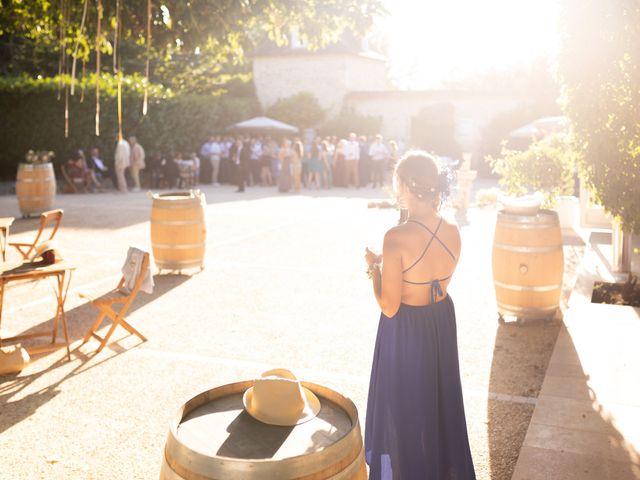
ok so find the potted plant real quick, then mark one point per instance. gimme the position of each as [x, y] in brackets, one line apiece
[36, 183]
[547, 166]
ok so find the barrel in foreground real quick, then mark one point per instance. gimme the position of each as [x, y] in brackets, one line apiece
[214, 438]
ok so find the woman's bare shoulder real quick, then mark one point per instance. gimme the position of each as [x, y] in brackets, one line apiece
[393, 237]
[450, 225]
[450, 231]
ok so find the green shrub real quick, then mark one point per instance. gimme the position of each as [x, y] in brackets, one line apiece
[349, 120]
[33, 118]
[547, 166]
[497, 131]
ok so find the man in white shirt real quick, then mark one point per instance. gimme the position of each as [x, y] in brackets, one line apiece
[215, 151]
[256, 154]
[137, 162]
[379, 153]
[226, 165]
[351, 156]
[121, 163]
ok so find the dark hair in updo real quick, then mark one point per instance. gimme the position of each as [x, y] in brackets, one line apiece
[420, 173]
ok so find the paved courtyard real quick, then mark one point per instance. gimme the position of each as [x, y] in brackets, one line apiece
[283, 285]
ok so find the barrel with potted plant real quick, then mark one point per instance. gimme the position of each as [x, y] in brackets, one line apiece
[528, 263]
[36, 183]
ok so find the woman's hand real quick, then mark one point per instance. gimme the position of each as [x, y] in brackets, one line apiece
[371, 257]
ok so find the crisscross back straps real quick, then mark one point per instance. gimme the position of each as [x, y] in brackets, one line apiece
[436, 287]
[434, 235]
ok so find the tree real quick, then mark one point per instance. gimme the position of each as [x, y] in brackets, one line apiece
[301, 110]
[599, 68]
[434, 129]
[349, 120]
[194, 42]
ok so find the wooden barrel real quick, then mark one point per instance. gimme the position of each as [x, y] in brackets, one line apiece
[178, 230]
[35, 188]
[528, 264]
[213, 437]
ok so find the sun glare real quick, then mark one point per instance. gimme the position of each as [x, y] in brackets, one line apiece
[434, 41]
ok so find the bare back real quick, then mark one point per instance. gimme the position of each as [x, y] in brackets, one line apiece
[429, 251]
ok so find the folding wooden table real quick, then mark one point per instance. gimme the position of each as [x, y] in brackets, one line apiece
[33, 271]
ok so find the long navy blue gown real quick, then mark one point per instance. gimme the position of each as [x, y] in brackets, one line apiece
[415, 427]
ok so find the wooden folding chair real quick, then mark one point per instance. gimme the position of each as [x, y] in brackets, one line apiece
[51, 218]
[107, 302]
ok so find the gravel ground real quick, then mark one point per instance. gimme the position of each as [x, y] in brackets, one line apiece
[284, 285]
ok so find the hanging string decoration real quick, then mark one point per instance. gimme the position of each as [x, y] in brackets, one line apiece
[98, 42]
[115, 38]
[75, 50]
[146, 77]
[61, 39]
[66, 106]
[84, 68]
[65, 21]
[116, 67]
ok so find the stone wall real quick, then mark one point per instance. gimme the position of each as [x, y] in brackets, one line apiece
[327, 76]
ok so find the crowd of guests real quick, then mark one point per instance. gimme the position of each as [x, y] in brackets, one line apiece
[290, 164]
[293, 163]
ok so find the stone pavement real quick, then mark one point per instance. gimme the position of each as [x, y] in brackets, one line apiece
[586, 424]
[283, 285]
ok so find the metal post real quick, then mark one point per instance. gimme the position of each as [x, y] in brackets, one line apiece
[622, 249]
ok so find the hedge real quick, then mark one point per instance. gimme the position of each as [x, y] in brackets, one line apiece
[32, 117]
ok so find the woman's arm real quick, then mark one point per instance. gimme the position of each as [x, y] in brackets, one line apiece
[387, 280]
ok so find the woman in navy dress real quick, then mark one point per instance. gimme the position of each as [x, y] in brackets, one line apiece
[415, 426]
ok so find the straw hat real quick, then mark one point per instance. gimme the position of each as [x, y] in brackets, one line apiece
[49, 251]
[278, 398]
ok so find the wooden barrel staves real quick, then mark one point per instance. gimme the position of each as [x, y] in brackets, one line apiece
[528, 264]
[178, 230]
[213, 437]
[35, 188]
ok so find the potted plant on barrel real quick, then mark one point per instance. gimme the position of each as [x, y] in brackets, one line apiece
[547, 166]
[36, 183]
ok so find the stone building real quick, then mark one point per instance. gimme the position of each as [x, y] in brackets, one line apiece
[399, 109]
[349, 74]
[329, 74]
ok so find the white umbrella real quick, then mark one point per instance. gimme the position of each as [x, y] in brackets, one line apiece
[529, 131]
[263, 125]
[541, 127]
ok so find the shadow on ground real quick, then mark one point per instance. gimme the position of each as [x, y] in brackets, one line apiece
[520, 360]
[79, 320]
[123, 210]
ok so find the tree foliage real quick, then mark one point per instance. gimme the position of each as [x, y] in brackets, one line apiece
[196, 42]
[301, 110]
[434, 130]
[349, 120]
[599, 69]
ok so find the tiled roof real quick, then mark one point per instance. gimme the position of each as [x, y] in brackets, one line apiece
[348, 44]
